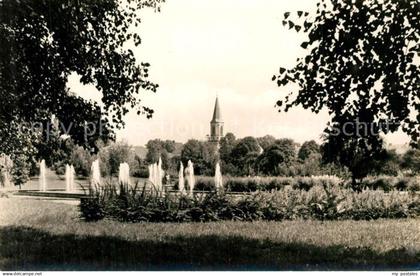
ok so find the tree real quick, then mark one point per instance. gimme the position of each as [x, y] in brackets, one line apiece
[43, 42]
[113, 155]
[81, 159]
[159, 149]
[170, 146]
[244, 154]
[202, 154]
[361, 67]
[266, 141]
[310, 165]
[411, 160]
[191, 151]
[389, 164]
[227, 143]
[282, 152]
[17, 141]
[307, 149]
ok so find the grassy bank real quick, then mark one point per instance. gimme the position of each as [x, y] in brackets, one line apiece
[38, 235]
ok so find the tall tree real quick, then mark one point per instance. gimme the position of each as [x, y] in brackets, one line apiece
[227, 143]
[282, 152]
[44, 41]
[245, 153]
[411, 159]
[112, 155]
[362, 66]
[266, 141]
[202, 154]
[308, 148]
[159, 149]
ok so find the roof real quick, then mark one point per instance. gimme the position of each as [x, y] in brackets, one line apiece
[217, 117]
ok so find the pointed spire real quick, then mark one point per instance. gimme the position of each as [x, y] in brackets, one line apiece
[217, 117]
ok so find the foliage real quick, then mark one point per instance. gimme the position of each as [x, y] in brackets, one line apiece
[361, 66]
[244, 184]
[411, 160]
[252, 184]
[324, 202]
[20, 169]
[203, 155]
[390, 183]
[204, 183]
[17, 141]
[159, 149]
[82, 37]
[91, 209]
[282, 152]
[227, 143]
[266, 141]
[112, 155]
[388, 164]
[81, 159]
[139, 168]
[40, 49]
[311, 165]
[307, 149]
[354, 154]
[244, 155]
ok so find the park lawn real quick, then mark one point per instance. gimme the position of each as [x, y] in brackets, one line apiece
[46, 235]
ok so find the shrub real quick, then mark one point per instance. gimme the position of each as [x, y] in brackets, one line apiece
[204, 184]
[241, 184]
[253, 184]
[112, 155]
[389, 183]
[81, 159]
[384, 183]
[322, 202]
[141, 172]
[277, 184]
[402, 184]
[92, 209]
[303, 183]
[414, 184]
[59, 168]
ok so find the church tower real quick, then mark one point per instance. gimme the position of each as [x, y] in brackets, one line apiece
[216, 124]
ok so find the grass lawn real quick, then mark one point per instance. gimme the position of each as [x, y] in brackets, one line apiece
[45, 235]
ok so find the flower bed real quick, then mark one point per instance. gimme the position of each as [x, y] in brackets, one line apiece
[324, 202]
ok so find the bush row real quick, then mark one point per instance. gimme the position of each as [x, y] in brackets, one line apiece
[389, 183]
[252, 184]
[320, 202]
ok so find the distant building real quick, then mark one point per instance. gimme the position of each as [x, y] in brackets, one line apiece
[216, 124]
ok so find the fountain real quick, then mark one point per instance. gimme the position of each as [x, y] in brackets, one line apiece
[42, 178]
[161, 173]
[72, 174]
[95, 179]
[156, 174]
[218, 180]
[191, 178]
[150, 168]
[70, 178]
[181, 180]
[124, 174]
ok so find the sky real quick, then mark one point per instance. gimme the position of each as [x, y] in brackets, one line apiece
[200, 49]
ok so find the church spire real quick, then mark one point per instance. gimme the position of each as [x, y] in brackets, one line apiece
[216, 124]
[217, 117]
